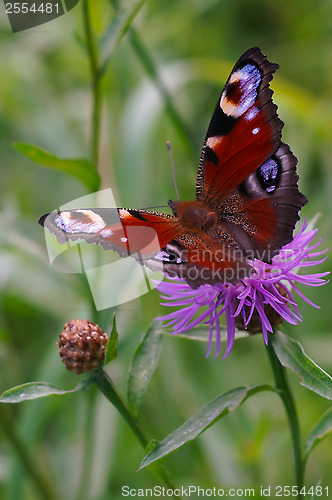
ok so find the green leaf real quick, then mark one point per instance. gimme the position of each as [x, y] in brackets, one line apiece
[142, 367]
[112, 344]
[157, 468]
[204, 418]
[151, 445]
[291, 355]
[78, 167]
[322, 428]
[116, 30]
[36, 390]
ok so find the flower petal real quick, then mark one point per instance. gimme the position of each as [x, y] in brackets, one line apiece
[270, 285]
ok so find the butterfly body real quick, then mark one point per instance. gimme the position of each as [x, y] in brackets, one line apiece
[194, 215]
[247, 198]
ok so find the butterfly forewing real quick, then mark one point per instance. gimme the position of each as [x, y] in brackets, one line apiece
[124, 230]
[246, 173]
[244, 130]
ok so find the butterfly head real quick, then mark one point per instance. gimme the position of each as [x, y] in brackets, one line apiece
[194, 215]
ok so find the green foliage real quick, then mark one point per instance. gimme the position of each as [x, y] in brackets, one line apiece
[142, 367]
[166, 68]
[36, 390]
[80, 168]
[157, 468]
[204, 418]
[112, 344]
[116, 30]
[322, 429]
[291, 355]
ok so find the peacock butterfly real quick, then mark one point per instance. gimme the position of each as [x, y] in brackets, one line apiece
[247, 198]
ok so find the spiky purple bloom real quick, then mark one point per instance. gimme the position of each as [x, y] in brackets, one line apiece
[270, 284]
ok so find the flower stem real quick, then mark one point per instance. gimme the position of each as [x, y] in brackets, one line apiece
[95, 83]
[88, 445]
[106, 386]
[282, 385]
[151, 70]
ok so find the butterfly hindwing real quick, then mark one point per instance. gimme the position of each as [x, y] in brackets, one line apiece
[273, 200]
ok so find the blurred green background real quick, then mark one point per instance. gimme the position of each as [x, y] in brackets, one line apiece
[46, 99]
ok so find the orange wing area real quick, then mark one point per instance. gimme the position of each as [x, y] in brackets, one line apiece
[199, 260]
[218, 266]
[244, 131]
[148, 232]
[264, 216]
[124, 230]
[239, 154]
[246, 174]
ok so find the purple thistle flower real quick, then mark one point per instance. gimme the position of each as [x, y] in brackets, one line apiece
[269, 287]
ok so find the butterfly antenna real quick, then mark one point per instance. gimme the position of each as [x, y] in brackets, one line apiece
[155, 206]
[168, 144]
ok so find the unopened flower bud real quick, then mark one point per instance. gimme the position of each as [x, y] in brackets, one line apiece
[82, 346]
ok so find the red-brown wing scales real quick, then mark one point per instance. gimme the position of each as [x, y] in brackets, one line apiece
[274, 199]
[244, 130]
[246, 173]
[124, 230]
[200, 258]
[247, 198]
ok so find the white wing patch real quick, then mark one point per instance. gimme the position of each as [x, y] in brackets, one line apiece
[212, 142]
[79, 221]
[241, 90]
[106, 233]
